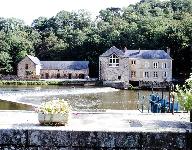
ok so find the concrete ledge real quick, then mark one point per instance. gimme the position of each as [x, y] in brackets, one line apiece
[97, 131]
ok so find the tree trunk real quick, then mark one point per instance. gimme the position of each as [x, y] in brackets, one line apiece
[191, 115]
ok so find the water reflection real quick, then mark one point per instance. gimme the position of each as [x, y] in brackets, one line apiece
[5, 105]
[80, 98]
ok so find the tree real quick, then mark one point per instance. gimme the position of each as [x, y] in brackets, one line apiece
[5, 62]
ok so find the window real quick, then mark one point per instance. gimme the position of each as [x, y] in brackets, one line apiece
[119, 77]
[164, 65]
[113, 60]
[133, 74]
[155, 65]
[133, 62]
[146, 64]
[146, 74]
[26, 66]
[164, 74]
[155, 75]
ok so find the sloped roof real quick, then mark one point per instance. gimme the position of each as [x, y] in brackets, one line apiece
[142, 54]
[34, 59]
[147, 54]
[71, 65]
[113, 50]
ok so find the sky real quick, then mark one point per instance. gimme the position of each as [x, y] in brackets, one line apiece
[28, 10]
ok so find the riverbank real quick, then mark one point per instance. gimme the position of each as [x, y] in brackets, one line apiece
[93, 130]
[82, 82]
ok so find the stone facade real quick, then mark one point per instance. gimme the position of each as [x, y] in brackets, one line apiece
[32, 68]
[28, 69]
[135, 65]
[114, 73]
[64, 74]
[54, 139]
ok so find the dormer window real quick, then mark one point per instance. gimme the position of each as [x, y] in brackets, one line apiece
[113, 60]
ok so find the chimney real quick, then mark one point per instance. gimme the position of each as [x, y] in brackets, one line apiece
[168, 51]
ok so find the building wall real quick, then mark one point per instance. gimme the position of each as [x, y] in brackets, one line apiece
[125, 69]
[147, 65]
[32, 70]
[109, 73]
[64, 74]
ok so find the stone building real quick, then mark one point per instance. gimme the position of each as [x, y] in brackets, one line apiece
[31, 67]
[117, 65]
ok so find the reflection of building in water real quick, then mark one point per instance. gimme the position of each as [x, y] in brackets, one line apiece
[32, 67]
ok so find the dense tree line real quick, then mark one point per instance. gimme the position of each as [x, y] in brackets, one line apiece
[149, 24]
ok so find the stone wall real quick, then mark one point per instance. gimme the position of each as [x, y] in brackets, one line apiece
[52, 139]
[64, 74]
[109, 73]
[22, 71]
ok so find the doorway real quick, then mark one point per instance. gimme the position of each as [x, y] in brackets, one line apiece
[70, 75]
[46, 75]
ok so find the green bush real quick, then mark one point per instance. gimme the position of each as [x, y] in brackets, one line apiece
[184, 94]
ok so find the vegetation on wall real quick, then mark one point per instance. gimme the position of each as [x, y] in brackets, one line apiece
[149, 24]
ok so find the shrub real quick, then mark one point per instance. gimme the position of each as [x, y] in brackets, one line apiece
[184, 94]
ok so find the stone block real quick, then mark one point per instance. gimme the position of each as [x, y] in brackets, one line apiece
[12, 137]
[105, 139]
[84, 139]
[164, 140]
[49, 138]
[119, 140]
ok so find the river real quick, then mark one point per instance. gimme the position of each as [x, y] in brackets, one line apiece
[79, 97]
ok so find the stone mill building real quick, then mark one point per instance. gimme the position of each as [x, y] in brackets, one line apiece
[126, 66]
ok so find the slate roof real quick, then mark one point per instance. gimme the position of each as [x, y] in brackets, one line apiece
[142, 54]
[61, 65]
[112, 50]
[147, 54]
[34, 59]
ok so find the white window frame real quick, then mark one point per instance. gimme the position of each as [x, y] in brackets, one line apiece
[146, 74]
[165, 74]
[155, 65]
[164, 65]
[155, 74]
[113, 61]
[133, 62]
[133, 74]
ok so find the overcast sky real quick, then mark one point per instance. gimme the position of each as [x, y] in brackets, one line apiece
[28, 10]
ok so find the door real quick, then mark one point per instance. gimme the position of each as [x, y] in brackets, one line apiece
[47, 76]
[70, 75]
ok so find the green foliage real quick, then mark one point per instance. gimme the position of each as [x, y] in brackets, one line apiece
[5, 62]
[184, 94]
[149, 24]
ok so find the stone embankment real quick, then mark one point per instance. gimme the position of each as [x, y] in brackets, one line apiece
[121, 130]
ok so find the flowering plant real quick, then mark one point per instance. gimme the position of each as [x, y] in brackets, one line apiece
[54, 106]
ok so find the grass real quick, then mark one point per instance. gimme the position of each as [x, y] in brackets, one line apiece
[40, 82]
[28, 82]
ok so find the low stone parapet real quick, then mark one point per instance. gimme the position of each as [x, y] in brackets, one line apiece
[96, 131]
